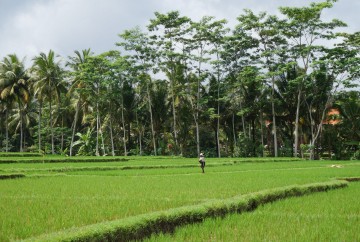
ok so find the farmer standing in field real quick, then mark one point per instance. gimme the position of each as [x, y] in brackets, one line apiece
[202, 162]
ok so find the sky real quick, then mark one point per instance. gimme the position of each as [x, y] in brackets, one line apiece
[29, 27]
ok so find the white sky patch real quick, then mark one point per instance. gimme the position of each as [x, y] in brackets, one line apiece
[28, 27]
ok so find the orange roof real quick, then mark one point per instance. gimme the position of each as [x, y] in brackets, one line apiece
[332, 117]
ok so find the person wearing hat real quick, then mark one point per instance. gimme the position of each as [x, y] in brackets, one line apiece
[202, 162]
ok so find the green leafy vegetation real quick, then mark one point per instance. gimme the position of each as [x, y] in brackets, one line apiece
[142, 226]
[179, 86]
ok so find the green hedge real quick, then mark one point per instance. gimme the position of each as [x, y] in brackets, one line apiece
[142, 226]
[11, 176]
[111, 168]
[60, 160]
[19, 154]
[350, 179]
[267, 159]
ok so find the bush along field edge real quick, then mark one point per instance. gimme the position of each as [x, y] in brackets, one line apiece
[143, 226]
[11, 176]
[109, 168]
[34, 158]
[128, 167]
[12, 160]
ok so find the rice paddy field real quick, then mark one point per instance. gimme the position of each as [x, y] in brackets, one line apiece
[47, 196]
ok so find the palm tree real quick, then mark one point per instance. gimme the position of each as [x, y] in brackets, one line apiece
[23, 119]
[6, 105]
[48, 74]
[38, 93]
[75, 63]
[14, 87]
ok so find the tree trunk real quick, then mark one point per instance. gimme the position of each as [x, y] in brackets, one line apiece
[216, 139]
[151, 119]
[197, 136]
[140, 142]
[198, 104]
[218, 106]
[274, 118]
[39, 129]
[24, 140]
[253, 136]
[243, 120]
[129, 140]
[195, 114]
[123, 125]
[97, 130]
[233, 128]
[140, 133]
[101, 137]
[296, 136]
[174, 114]
[262, 132]
[21, 129]
[197, 118]
[74, 126]
[315, 134]
[7, 130]
[52, 129]
[218, 120]
[111, 137]
[62, 133]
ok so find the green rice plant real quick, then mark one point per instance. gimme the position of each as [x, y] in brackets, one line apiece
[144, 225]
[330, 216]
[80, 198]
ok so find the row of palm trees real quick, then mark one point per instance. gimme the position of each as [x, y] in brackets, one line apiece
[19, 86]
[62, 109]
[65, 101]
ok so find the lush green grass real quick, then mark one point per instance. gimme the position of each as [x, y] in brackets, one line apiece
[330, 216]
[36, 205]
[142, 226]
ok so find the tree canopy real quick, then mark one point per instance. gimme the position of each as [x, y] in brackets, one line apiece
[267, 87]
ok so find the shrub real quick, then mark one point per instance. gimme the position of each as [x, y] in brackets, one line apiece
[11, 176]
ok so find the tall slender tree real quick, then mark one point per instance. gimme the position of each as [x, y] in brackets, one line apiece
[48, 76]
[14, 87]
[217, 38]
[200, 57]
[170, 29]
[77, 82]
[144, 59]
[270, 52]
[303, 29]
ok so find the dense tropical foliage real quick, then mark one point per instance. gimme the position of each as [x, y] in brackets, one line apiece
[274, 86]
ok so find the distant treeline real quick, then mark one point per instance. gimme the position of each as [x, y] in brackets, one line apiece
[271, 86]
